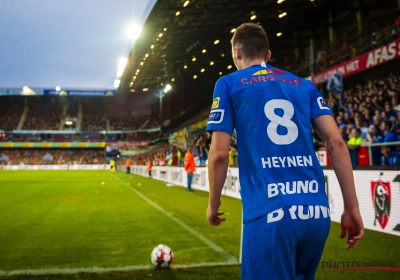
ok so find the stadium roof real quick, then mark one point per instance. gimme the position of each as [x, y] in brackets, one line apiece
[183, 40]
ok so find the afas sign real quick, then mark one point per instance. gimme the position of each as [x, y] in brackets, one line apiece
[361, 63]
[383, 54]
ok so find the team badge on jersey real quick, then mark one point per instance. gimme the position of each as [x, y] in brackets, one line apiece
[215, 103]
[216, 116]
[322, 104]
[381, 199]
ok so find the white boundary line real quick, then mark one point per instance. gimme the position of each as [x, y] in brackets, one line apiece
[231, 259]
[95, 269]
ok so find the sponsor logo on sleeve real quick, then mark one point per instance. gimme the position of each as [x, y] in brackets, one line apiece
[216, 116]
[322, 104]
[268, 71]
[215, 103]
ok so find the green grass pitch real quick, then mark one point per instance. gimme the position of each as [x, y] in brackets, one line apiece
[71, 222]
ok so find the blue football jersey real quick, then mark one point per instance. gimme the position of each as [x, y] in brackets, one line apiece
[271, 111]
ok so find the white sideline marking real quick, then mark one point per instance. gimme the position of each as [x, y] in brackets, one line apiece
[231, 259]
[95, 269]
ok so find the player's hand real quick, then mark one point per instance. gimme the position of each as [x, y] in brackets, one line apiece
[352, 224]
[213, 216]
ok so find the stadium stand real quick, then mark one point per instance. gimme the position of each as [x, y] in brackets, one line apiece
[11, 112]
[43, 114]
[353, 47]
[127, 123]
[93, 117]
[51, 156]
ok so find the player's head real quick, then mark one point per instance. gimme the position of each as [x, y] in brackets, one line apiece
[249, 42]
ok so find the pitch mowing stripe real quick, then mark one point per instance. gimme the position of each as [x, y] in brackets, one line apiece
[231, 259]
[95, 269]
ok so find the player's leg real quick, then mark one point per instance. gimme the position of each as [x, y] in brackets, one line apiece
[310, 247]
[269, 246]
[190, 178]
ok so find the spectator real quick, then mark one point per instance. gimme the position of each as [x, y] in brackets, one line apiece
[354, 145]
[318, 143]
[389, 157]
[174, 159]
[190, 167]
[372, 134]
[344, 132]
[128, 165]
[361, 124]
[396, 123]
[387, 134]
[392, 114]
[397, 20]
[180, 159]
[340, 122]
[150, 167]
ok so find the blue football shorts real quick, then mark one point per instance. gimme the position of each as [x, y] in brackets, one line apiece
[285, 244]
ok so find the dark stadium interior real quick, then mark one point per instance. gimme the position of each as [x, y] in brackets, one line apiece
[203, 21]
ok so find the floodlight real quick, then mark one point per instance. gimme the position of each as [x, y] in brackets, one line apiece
[134, 31]
[167, 88]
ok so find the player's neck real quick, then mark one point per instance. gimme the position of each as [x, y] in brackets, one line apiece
[247, 63]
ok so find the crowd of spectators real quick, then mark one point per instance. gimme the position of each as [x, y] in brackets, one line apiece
[10, 116]
[200, 142]
[369, 114]
[51, 156]
[93, 116]
[158, 155]
[43, 117]
[152, 122]
[127, 123]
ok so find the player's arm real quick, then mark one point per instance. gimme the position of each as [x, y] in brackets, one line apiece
[185, 162]
[340, 158]
[217, 168]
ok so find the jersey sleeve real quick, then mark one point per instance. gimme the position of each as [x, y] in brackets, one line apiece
[221, 116]
[318, 104]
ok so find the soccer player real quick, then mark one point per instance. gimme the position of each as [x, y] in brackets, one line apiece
[285, 207]
[112, 165]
